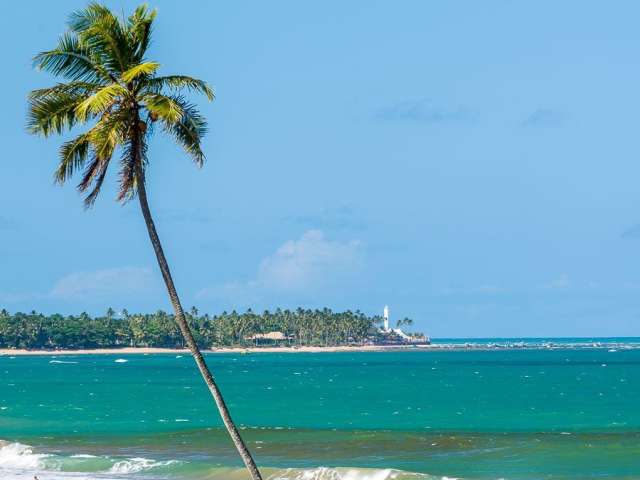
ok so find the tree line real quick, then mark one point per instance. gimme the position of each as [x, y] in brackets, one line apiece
[301, 327]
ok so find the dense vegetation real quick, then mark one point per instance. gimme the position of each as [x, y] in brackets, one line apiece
[299, 327]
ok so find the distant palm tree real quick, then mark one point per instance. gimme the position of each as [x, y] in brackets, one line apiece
[110, 85]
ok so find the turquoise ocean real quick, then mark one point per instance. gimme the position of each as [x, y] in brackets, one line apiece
[519, 409]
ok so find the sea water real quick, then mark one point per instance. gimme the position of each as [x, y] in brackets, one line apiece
[560, 412]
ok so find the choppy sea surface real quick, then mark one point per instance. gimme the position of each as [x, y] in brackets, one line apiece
[561, 409]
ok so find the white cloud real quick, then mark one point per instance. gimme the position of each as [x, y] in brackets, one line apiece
[99, 283]
[309, 263]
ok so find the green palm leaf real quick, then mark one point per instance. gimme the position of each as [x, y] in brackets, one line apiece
[180, 82]
[72, 60]
[74, 88]
[140, 25]
[53, 113]
[73, 155]
[112, 84]
[146, 68]
[188, 130]
[164, 107]
[102, 33]
[101, 100]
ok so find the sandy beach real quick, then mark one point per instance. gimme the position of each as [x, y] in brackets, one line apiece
[474, 345]
[148, 351]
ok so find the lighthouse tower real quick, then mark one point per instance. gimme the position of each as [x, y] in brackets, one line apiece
[385, 315]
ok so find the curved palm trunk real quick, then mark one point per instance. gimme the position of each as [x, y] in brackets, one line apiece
[188, 335]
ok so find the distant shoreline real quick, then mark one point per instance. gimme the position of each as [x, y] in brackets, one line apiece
[4, 352]
[179, 351]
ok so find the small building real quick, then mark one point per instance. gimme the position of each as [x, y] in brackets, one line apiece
[270, 338]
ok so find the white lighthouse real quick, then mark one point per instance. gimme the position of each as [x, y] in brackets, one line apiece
[385, 315]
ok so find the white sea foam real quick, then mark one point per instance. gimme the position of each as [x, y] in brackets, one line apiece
[16, 456]
[61, 361]
[326, 473]
[20, 462]
[139, 464]
[121, 360]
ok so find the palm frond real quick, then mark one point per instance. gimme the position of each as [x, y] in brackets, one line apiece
[189, 130]
[53, 113]
[146, 68]
[93, 195]
[102, 33]
[133, 156]
[73, 155]
[72, 60]
[105, 137]
[140, 25]
[178, 82]
[108, 133]
[81, 20]
[164, 107]
[73, 88]
[111, 84]
[101, 100]
[96, 165]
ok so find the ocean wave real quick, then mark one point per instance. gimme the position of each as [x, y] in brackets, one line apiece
[17, 456]
[327, 473]
[20, 461]
[17, 459]
[139, 464]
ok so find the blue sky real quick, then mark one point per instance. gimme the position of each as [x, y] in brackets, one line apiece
[472, 164]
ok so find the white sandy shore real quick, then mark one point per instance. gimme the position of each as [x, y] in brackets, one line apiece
[142, 350]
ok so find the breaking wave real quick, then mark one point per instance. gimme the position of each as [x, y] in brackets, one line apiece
[139, 464]
[19, 461]
[22, 457]
[326, 473]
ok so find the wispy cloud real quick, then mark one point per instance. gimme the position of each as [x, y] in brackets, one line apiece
[307, 264]
[543, 117]
[423, 111]
[92, 286]
[102, 283]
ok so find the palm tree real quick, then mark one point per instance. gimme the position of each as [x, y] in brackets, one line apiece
[112, 88]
